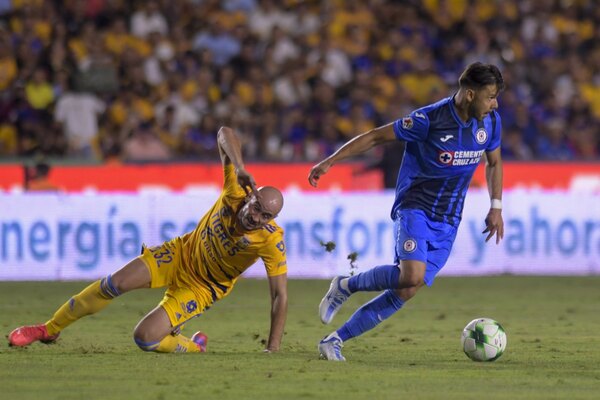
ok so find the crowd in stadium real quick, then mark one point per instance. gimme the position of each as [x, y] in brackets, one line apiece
[154, 79]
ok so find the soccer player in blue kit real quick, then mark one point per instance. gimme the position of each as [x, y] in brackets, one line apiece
[445, 142]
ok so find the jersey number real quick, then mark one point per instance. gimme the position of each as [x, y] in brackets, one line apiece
[163, 257]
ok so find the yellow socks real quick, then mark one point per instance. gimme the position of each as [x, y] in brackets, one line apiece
[177, 344]
[171, 344]
[89, 301]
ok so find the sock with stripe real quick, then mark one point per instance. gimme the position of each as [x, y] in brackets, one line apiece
[370, 315]
[374, 280]
[89, 301]
[170, 344]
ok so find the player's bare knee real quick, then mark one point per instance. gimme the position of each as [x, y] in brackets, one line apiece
[145, 339]
[407, 293]
[410, 280]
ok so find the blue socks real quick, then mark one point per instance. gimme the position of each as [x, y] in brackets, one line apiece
[371, 314]
[374, 280]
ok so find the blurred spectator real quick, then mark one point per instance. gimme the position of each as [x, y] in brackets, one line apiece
[553, 145]
[38, 90]
[283, 46]
[8, 63]
[77, 114]
[222, 44]
[200, 141]
[148, 19]
[292, 77]
[37, 178]
[142, 142]
[388, 162]
[267, 16]
[333, 64]
[291, 88]
[8, 131]
[514, 147]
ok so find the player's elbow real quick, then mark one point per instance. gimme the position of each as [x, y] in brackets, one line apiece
[223, 133]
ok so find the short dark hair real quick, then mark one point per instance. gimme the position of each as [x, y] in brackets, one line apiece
[477, 75]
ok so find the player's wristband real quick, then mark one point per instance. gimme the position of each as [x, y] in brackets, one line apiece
[496, 203]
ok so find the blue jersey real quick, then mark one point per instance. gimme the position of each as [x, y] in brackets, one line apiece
[441, 155]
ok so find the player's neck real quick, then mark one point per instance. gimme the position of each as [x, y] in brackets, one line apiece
[461, 105]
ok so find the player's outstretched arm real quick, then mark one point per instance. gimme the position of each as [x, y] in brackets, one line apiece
[493, 173]
[230, 150]
[355, 146]
[278, 287]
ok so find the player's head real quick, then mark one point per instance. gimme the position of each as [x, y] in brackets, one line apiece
[481, 84]
[261, 209]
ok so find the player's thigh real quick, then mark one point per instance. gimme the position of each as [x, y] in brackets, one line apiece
[412, 273]
[162, 262]
[412, 234]
[177, 307]
[182, 303]
[134, 275]
[439, 252]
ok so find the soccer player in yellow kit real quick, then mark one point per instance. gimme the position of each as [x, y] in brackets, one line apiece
[198, 268]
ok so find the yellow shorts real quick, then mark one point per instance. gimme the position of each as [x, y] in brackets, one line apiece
[182, 300]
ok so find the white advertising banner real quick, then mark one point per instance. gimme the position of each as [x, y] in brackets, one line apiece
[79, 236]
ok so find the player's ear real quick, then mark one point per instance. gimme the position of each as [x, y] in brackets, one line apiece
[470, 95]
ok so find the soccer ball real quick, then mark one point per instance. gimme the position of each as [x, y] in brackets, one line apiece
[483, 339]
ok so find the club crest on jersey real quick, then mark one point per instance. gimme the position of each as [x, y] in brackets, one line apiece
[445, 157]
[481, 136]
[191, 306]
[409, 245]
[407, 123]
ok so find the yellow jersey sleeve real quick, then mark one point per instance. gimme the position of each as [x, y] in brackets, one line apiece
[273, 253]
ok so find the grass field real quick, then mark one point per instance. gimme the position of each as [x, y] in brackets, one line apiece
[553, 352]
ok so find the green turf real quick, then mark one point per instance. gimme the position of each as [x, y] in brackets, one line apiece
[552, 325]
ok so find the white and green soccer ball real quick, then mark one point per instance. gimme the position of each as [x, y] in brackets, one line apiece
[483, 339]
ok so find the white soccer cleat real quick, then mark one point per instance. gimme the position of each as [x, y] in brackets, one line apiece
[333, 300]
[330, 348]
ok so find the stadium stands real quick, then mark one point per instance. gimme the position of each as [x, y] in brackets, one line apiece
[134, 80]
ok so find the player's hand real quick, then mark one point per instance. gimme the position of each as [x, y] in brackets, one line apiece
[318, 170]
[494, 225]
[246, 181]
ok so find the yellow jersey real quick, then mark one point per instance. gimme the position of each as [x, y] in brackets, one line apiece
[214, 257]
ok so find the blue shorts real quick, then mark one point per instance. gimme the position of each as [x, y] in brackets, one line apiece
[419, 238]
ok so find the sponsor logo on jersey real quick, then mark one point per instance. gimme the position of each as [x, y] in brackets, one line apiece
[409, 245]
[481, 136]
[460, 158]
[446, 138]
[420, 115]
[445, 157]
[407, 123]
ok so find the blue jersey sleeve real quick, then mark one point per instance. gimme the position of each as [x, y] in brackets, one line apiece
[412, 128]
[496, 132]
